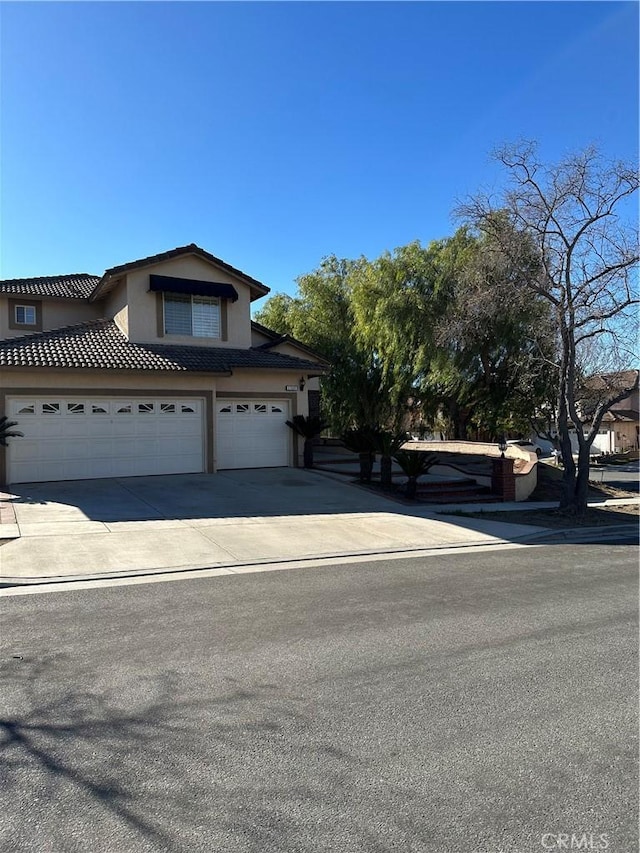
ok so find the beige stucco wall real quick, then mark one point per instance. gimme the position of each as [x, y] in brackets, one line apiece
[291, 349]
[115, 307]
[143, 319]
[105, 381]
[261, 382]
[62, 313]
[311, 384]
[257, 338]
[55, 313]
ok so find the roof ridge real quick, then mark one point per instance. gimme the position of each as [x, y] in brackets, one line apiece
[178, 250]
[52, 277]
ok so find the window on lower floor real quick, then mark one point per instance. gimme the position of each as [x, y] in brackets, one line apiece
[194, 316]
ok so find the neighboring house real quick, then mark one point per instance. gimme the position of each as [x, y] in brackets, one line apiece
[155, 367]
[620, 427]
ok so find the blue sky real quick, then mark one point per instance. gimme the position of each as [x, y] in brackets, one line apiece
[273, 134]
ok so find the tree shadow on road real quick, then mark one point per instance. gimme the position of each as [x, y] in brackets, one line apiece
[68, 752]
[235, 769]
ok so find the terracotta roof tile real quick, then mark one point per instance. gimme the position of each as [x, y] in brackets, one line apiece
[74, 286]
[100, 345]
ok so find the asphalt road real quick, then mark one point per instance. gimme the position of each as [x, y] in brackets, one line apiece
[474, 702]
[620, 476]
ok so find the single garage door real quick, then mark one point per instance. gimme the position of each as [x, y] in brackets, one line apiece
[78, 439]
[252, 434]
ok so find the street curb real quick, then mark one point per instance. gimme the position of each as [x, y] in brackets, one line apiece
[604, 534]
[9, 582]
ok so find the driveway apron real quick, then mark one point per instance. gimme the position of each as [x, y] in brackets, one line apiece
[92, 527]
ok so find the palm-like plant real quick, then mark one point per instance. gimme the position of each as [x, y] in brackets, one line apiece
[308, 427]
[388, 443]
[414, 464]
[362, 440]
[7, 431]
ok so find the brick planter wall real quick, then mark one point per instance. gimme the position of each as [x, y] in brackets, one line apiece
[503, 480]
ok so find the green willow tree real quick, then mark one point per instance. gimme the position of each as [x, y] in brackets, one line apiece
[358, 391]
[468, 347]
[493, 337]
[441, 329]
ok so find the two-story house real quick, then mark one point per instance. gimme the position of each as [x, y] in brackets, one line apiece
[620, 428]
[155, 367]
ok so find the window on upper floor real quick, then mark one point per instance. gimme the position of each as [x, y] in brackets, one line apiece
[25, 314]
[194, 316]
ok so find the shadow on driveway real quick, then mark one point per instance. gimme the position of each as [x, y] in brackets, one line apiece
[93, 528]
[229, 494]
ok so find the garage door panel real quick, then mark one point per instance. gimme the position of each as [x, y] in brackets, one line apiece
[77, 428]
[127, 447]
[252, 434]
[51, 470]
[80, 470]
[77, 449]
[145, 427]
[52, 427]
[167, 427]
[78, 439]
[121, 427]
[101, 428]
[23, 450]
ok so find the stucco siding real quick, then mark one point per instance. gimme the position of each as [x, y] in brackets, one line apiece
[115, 307]
[143, 319]
[245, 381]
[257, 338]
[55, 314]
[99, 381]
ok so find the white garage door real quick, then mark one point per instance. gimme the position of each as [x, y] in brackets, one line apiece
[78, 439]
[252, 434]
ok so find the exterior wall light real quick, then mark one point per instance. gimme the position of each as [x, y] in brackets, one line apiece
[301, 383]
[502, 446]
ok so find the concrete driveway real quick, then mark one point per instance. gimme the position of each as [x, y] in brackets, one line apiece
[90, 528]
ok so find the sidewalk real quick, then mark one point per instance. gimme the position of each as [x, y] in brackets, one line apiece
[163, 529]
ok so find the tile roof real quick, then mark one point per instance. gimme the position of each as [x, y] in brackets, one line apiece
[74, 286]
[257, 287]
[613, 382]
[84, 285]
[277, 339]
[622, 415]
[100, 345]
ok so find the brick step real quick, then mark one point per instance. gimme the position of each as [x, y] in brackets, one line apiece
[337, 460]
[458, 498]
[453, 486]
[452, 492]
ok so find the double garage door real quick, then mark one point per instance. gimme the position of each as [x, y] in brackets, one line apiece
[79, 438]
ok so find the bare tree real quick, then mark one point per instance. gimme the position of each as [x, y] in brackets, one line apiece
[580, 215]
